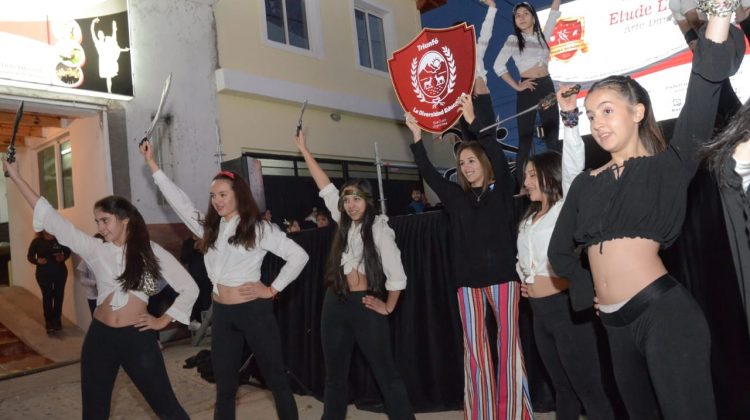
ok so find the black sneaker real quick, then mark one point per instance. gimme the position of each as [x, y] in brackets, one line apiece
[58, 325]
[49, 326]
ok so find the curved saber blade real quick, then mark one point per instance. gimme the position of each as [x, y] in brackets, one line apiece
[299, 123]
[163, 99]
[545, 103]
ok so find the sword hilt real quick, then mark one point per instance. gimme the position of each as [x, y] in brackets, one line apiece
[572, 91]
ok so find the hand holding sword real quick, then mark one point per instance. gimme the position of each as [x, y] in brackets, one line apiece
[544, 103]
[10, 157]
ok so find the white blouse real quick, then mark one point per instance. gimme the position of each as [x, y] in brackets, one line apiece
[742, 168]
[233, 265]
[535, 53]
[107, 261]
[383, 236]
[533, 238]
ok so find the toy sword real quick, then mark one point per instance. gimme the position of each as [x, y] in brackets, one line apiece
[10, 157]
[544, 103]
[299, 123]
[163, 99]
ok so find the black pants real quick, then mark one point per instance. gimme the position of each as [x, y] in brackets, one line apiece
[566, 342]
[661, 350]
[104, 350]
[550, 121]
[343, 324]
[255, 323]
[53, 292]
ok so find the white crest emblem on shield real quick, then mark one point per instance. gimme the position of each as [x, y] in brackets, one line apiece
[433, 76]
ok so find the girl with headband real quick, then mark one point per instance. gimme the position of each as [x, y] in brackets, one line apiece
[365, 278]
[235, 239]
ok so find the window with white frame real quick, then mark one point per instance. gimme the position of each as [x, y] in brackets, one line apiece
[55, 165]
[370, 38]
[286, 22]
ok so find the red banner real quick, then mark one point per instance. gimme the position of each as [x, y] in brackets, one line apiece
[432, 71]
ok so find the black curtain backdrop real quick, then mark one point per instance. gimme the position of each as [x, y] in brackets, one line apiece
[425, 327]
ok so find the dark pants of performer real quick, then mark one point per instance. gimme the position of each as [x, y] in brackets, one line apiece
[342, 325]
[53, 292]
[105, 349]
[550, 121]
[566, 342]
[255, 323]
[661, 349]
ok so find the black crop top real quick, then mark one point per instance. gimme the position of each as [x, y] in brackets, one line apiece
[648, 200]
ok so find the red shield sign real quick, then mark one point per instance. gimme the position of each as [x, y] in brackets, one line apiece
[567, 39]
[432, 71]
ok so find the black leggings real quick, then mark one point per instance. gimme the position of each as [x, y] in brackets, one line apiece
[661, 350]
[550, 121]
[53, 292]
[105, 349]
[342, 325]
[255, 323]
[567, 344]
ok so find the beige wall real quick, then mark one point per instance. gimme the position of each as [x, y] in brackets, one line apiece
[243, 46]
[89, 184]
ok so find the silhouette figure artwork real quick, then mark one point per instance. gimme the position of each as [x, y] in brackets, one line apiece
[109, 52]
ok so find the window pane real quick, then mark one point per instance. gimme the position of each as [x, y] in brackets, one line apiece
[48, 175]
[297, 21]
[377, 42]
[362, 41]
[275, 20]
[66, 167]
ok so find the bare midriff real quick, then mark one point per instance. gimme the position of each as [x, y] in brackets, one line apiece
[230, 295]
[357, 281]
[624, 267]
[540, 70]
[122, 317]
[544, 286]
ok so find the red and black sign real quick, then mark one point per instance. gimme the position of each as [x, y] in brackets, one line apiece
[567, 39]
[431, 72]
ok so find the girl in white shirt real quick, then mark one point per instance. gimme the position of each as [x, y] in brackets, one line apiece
[127, 268]
[530, 52]
[364, 265]
[566, 341]
[235, 239]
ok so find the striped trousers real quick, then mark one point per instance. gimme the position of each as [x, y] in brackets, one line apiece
[484, 397]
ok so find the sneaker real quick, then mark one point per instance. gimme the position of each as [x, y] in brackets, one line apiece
[49, 326]
[58, 325]
[194, 326]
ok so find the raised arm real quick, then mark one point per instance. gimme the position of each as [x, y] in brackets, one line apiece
[177, 199]
[488, 139]
[484, 38]
[328, 191]
[46, 218]
[717, 56]
[554, 15]
[574, 152]
[93, 33]
[445, 189]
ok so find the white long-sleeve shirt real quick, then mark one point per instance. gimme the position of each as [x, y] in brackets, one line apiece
[107, 261]
[534, 237]
[383, 236]
[233, 265]
[535, 53]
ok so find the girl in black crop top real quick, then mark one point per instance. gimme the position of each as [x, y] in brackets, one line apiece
[483, 229]
[623, 213]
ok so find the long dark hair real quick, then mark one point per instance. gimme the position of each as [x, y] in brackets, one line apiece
[247, 210]
[537, 27]
[489, 174]
[548, 166]
[648, 130]
[140, 260]
[335, 277]
[722, 147]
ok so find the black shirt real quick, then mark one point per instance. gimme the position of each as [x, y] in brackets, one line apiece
[49, 250]
[648, 199]
[483, 230]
